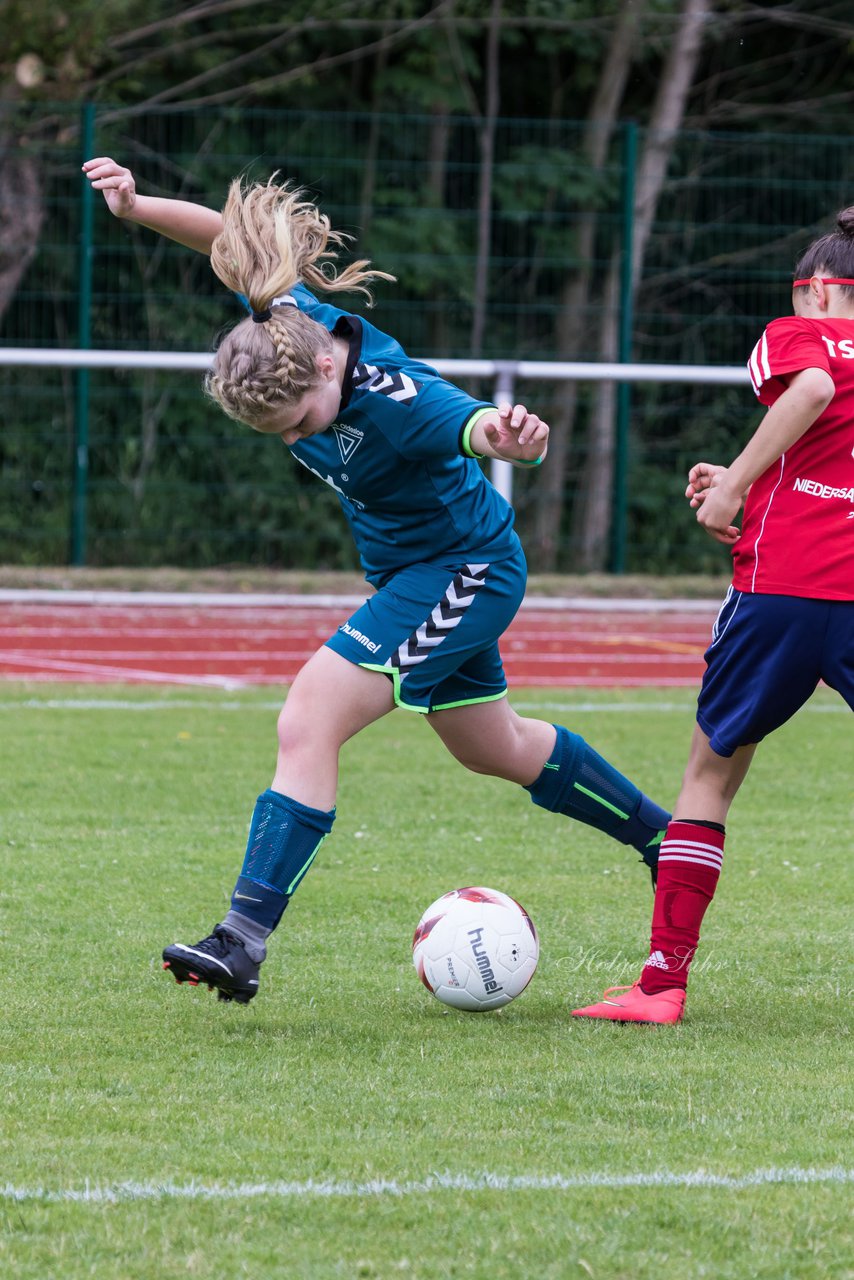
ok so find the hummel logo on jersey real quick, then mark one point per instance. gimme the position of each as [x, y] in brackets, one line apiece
[656, 961]
[349, 439]
[396, 385]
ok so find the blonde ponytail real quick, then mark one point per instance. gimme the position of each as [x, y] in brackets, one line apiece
[272, 238]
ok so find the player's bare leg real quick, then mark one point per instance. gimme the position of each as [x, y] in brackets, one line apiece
[329, 702]
[711, 781]
[491, 738]
[558, 769]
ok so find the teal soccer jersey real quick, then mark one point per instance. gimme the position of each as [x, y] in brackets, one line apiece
[395, 457]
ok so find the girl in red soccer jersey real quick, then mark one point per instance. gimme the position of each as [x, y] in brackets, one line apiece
[788, 618]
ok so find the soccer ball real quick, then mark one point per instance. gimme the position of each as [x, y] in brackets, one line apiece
[475, 949]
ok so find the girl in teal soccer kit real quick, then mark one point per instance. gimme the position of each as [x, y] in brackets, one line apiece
[399, 445]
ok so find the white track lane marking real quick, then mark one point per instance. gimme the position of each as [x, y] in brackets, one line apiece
[124, 1191]
[100, 656]
[546, 659]
[284, 678]
[94, 670]
[256, 600]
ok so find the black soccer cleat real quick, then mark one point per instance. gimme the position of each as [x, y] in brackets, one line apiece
[649, 856]
[220, 961]
[652, 867]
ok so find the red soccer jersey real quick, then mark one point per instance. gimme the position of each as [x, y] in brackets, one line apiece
[797, 535]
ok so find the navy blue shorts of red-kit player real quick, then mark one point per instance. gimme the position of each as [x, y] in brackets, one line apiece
[433, 630]
[768, 654]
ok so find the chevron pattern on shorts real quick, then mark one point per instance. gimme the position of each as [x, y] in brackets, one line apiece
[446, 615]
[396, 385]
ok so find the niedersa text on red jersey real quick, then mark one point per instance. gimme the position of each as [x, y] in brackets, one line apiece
[818, 490]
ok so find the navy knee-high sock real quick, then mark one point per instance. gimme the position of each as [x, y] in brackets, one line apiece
[284, 838]
[578, 782]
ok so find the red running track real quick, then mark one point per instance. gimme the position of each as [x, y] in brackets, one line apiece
[550, 644]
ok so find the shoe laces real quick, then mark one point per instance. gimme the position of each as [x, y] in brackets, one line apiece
[609, 991]
[218, 943]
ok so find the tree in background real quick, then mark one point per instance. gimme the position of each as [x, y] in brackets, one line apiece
[504, 244]
[594, 511]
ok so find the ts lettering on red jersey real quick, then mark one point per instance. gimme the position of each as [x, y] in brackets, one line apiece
[797, 536]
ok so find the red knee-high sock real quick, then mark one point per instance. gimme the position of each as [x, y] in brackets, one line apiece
[689, 865]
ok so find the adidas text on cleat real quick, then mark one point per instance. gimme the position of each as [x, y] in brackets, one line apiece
[220, 961]
[631, 1004]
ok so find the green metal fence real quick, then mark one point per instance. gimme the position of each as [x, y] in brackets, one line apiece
[135, 468]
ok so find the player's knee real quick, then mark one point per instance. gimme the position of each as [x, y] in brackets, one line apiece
[475, 763]
[295, 732]
[506, 753]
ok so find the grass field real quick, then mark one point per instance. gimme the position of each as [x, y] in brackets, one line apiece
[346, 1124]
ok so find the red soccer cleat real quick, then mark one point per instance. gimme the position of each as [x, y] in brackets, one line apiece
[634, 1005]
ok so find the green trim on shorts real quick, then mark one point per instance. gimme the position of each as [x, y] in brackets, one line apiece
[394, 675]
[465, 440]
[470, 702]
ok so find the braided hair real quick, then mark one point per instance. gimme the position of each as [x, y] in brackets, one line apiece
[273, 237]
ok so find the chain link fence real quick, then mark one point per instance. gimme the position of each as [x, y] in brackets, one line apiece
[169, 480]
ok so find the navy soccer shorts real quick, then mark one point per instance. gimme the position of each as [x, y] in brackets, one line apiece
[434, 630]
[767, 655]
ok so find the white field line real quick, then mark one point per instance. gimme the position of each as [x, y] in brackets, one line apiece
[119, 704]
[125, 1191]
[187, 704]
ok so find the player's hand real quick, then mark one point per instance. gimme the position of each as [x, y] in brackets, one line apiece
[701, 477]
[716, 503]
[115, 183]
[518, 436]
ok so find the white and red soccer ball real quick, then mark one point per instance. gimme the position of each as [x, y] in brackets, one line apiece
[475, 949]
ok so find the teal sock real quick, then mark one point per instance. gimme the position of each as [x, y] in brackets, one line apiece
[284, 839]
[580, 783]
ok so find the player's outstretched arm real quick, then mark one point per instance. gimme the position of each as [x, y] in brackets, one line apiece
[512, 434]
[193, 225]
